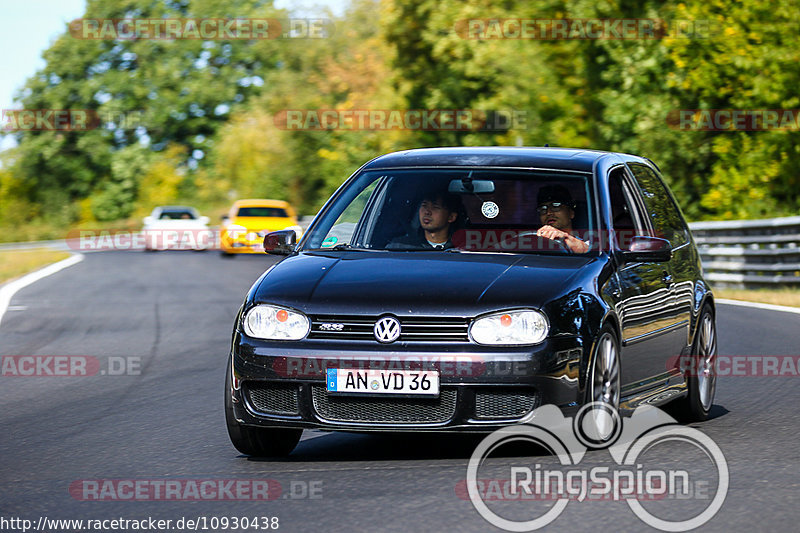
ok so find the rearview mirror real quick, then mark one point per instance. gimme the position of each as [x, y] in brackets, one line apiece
[469, 186]
[280, 242]
[645, 249]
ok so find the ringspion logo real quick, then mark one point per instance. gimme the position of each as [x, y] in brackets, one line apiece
[547, 489]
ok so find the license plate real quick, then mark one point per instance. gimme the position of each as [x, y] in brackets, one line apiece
[422, 382]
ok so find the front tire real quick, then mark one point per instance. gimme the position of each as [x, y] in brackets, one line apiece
[701, 378]
[256, 441]
[603, 379]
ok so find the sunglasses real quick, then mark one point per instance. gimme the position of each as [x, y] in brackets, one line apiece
[555, 207]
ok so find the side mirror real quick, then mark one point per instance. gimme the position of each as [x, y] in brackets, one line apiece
[280, 242]
[148, 221]
[224, 218]
[204, 220]
[646, 249]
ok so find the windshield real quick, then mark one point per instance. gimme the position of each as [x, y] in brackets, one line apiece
[475, 210]
[277, 212]
[177, 214]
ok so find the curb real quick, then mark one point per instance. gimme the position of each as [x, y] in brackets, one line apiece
[8, 290]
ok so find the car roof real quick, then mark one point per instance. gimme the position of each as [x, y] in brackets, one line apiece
[255, 202]
[175, 208]
[575, 159]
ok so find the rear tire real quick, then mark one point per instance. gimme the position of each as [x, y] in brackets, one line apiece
[701, 378]
[256, 441]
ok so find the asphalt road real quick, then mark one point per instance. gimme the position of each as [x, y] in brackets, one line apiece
[169, 316]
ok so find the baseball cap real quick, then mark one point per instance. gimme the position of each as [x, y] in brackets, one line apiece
[554, 193]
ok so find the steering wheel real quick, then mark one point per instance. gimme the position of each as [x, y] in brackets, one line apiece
[561, 242]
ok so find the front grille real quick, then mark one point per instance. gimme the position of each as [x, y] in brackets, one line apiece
[359, 327]
[503, 404]
[273, 398]
[385, 410]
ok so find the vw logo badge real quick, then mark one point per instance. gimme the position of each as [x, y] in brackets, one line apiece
[387, 329]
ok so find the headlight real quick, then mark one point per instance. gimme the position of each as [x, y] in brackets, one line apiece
[275, 323]
[297, 231]
[511, 327]
[235, 231]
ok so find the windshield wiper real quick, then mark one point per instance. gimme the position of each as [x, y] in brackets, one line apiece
[345, 246]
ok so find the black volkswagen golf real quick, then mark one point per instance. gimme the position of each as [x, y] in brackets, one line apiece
[458, 289]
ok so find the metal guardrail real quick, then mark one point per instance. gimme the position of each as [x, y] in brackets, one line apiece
[750, 253]
[305, 221]
[68, 245]
[31, 245]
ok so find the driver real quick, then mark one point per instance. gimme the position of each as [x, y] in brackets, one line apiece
[437, 213]
[556, 211]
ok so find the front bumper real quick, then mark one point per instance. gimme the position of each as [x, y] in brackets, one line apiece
[242, 245]
[481, 389]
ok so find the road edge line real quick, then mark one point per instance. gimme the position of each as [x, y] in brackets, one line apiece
[8, 290]
[756, 305]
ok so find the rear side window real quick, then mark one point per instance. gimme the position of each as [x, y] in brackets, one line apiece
[262, 212]
[667, 219]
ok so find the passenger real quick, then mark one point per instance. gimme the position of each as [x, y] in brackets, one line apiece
[437, 214]
[556, 211]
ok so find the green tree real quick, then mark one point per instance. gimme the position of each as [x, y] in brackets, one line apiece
[152, 93]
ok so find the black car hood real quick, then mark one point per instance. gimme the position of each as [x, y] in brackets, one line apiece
[418, 283]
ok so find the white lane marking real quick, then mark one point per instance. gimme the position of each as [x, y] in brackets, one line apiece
[768, 307]
[8, 290]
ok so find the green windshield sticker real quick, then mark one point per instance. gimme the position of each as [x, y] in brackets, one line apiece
[330, 241]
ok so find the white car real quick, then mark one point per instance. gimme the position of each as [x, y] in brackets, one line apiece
[177, 227]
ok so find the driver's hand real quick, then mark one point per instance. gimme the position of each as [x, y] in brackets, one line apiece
[550, 232]
[574, 244]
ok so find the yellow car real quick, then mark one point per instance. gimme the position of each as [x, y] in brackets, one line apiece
[247, 222]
